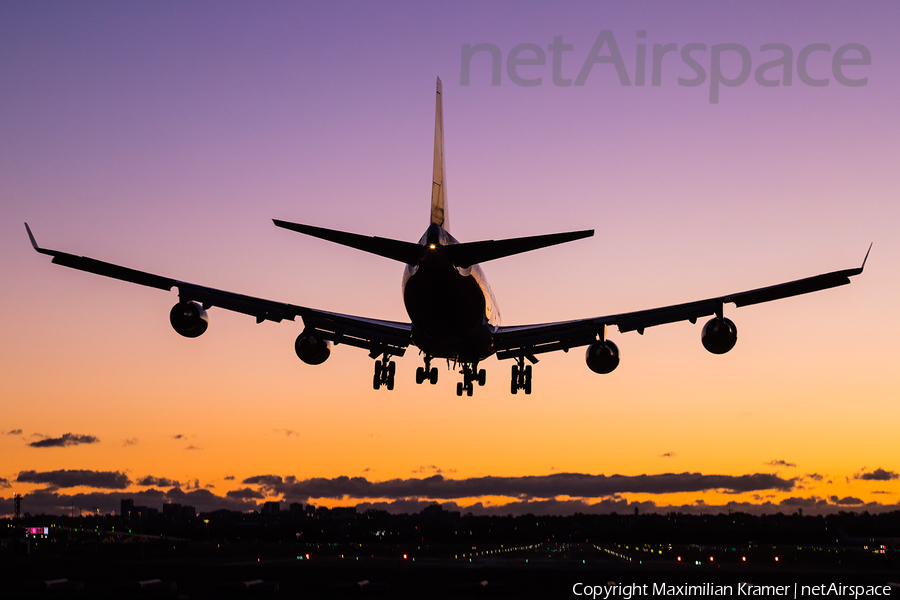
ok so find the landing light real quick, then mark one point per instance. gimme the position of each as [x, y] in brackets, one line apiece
[432, 246]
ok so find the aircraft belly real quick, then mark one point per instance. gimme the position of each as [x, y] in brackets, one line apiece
[447, 310]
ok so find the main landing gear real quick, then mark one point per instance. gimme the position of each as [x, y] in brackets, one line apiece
[427, 372]
[384, 373]
[470, 373]
[521, 376]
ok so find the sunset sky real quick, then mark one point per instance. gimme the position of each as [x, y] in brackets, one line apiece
[166, 136]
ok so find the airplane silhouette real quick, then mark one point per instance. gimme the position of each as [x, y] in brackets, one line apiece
[452, 310]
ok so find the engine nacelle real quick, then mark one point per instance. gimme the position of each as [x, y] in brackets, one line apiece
[311, 349]
[189, 319]
[719, 335]
[602, 357]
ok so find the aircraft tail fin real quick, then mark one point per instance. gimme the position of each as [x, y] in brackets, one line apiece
[438, 183]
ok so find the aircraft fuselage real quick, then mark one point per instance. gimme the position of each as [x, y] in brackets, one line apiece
[452, 309]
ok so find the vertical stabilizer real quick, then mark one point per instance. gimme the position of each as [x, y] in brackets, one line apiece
[439, 184]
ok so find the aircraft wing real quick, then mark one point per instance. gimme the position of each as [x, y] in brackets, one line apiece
[375, 335]
[528, 340]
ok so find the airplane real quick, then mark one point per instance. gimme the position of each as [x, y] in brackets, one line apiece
[452, 311]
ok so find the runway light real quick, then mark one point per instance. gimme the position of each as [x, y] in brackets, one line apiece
[776, 559]
[679, 559]
[744, 558]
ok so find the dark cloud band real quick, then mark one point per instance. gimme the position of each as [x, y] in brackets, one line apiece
[113, 480]
[66, 439]
[547, 486]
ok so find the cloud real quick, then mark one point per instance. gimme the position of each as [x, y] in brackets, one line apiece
[810, 506]
[14, 432]
[193, 447]
[264, 480]
[4, 483]
[814, 476]
[846, 500]
[780, 463]
[427, 468]
[76, 477]
[287, 432]
[229, 478]
[52, 502]
[667, 455]
[130, 442]
[545, 486]
[158, 481]
[67, 439]
[178, 436]
[245, 494]
[877, 475]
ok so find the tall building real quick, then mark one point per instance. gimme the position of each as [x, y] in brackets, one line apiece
[127, 507]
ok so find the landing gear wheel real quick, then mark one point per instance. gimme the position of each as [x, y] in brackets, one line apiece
[432, 375]
[469, 389]
[459, 388]
[420, 375]
[384, 373]
[527, 386]
[482, 377]
[390, 370]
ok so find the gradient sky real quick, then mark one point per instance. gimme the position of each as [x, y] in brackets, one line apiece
[165, 136]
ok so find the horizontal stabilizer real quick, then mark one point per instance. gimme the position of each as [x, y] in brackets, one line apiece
[406, 252]
[470, 253]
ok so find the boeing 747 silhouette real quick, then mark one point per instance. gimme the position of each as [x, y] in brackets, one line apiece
[452, 311]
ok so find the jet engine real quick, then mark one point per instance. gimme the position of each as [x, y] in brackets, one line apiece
[719, 335]
[602, 357]
[311, 349]
[189, 319]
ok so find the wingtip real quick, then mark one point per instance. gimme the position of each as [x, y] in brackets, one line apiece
[866, 257]
[31, 237]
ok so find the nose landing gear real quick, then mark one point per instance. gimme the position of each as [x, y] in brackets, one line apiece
[427, 372]
[471, 373]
